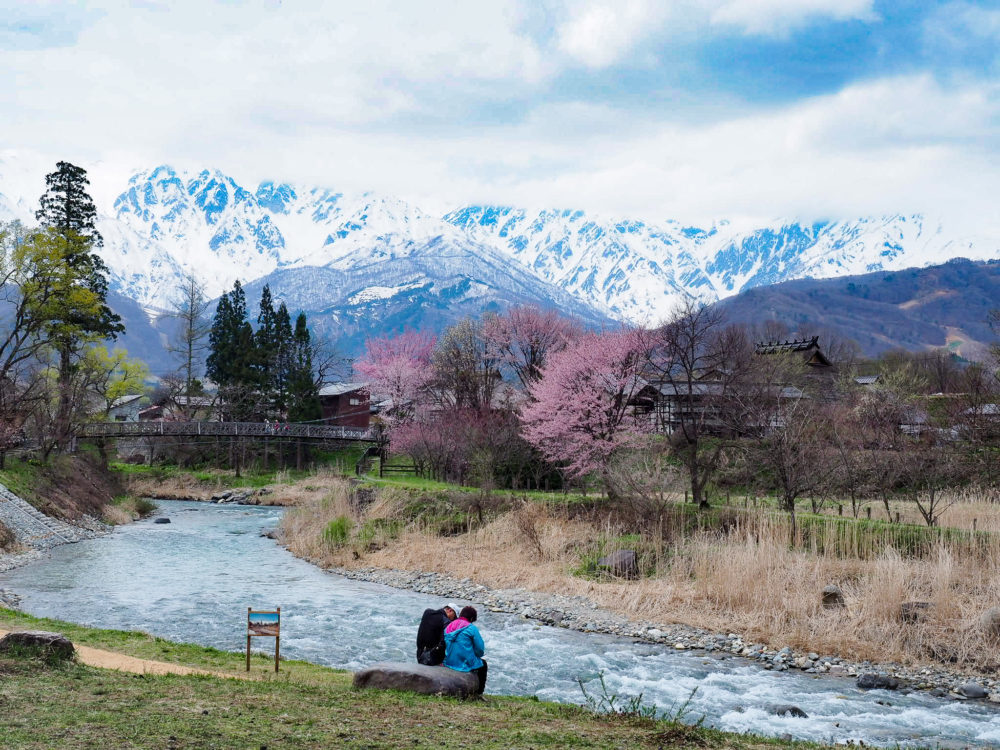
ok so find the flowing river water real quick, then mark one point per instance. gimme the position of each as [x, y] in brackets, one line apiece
[193, 579]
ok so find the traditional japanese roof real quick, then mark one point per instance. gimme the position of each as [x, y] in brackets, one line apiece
[807, 347]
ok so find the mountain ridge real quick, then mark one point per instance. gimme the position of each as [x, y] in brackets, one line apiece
[380, 256]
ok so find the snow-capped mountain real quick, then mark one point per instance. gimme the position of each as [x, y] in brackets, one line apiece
[637, 270]
[363, 255]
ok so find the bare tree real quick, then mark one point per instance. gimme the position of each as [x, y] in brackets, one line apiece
[466, 367]
[691, 363]
[191, 339]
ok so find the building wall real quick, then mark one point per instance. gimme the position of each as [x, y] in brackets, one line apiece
[349, 409]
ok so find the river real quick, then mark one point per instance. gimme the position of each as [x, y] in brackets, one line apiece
[193, 579]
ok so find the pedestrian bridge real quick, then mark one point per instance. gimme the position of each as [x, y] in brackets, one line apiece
[276, 430]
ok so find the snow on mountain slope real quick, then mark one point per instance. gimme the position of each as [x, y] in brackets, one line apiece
[638, 270]
[167, 223]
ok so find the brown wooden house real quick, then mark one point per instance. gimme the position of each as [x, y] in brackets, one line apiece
[346, 404]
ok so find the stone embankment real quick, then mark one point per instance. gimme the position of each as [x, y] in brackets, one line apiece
[579, 613]
[35, 532]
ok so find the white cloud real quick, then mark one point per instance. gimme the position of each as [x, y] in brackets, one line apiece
[769, 17]
[455, 103]
[600, 34]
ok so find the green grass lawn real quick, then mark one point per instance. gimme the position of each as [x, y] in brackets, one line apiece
[303, 706]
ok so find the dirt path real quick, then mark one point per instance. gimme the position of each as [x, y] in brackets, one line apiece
[96, 657]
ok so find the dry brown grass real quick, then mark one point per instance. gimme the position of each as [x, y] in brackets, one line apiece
[747, 580]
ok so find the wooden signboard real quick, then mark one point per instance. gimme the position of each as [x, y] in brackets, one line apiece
[264, 623]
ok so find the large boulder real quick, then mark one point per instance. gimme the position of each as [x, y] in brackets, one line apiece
[39, 642]
[877, 682]
[972, 690]
[416, 678]
[787, 709]
[623, 563]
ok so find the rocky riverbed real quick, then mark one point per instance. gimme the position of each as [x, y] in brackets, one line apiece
[579, 613]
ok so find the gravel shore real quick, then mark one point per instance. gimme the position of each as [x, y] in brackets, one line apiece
[579, 613]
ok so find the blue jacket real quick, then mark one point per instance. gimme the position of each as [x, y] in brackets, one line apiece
[464, 647]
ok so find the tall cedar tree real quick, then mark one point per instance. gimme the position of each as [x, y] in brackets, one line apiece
[266, 344]
[67, 209]
[231, 340]
[303, 396]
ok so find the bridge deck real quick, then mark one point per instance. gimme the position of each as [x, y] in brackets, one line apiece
[227, 429]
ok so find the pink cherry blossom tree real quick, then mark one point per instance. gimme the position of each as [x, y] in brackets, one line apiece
[525, 337]
[581, 413]
[398, 368]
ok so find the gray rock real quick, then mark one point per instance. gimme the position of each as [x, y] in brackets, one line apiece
[416, 678]
[833, 597]
[871, 681]
[972, 690]
[623, 563]
[787, 709]
[989, 622]
[161, 520]
[913, 611]
[40, 641]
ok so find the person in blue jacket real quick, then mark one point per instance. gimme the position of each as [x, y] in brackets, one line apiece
[464, 647]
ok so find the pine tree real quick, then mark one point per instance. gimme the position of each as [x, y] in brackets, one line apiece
[67, 208]
[68, 212]
[265, 344]
[283, 365]
[232, 361]
[303, 396]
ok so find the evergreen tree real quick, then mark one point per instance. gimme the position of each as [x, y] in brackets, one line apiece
[67, 208]
[68, 212]
[284, 352]
[303, 396]
[232, 361]
[265, 344]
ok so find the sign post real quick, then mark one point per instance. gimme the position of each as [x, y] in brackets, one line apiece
[264, 623]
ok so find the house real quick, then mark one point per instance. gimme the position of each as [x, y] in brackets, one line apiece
[808, 349]
[182, 409]
[709, 404]
[346, 404]
[127, 408]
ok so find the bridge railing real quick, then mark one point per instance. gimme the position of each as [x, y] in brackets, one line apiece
[232, 429]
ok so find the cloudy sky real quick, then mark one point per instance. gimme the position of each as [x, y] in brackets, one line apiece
[687, 109]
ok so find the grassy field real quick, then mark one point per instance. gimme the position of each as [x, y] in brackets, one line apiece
[304, 706]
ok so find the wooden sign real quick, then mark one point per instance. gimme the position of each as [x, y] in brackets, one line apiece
[264, 623]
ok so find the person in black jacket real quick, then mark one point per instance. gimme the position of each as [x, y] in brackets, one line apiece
[430, 634]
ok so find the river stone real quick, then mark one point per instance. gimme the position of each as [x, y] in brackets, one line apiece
[877, 682]
[623, 563]
[989, 621]
[161, 520]
[416, 678]
[787, 709]
[972, 690]
[833, 597]
[42, 641]
[913, 611]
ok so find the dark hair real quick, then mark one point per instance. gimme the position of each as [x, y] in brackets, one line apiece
[468, 613]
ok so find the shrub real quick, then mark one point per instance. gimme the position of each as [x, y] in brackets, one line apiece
[338, 531]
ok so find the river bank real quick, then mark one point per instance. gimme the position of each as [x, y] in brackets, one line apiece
[535, 597]
[581, 614]
[305, 705]
[521, 561]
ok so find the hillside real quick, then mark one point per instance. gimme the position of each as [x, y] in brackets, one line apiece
[915, 309]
